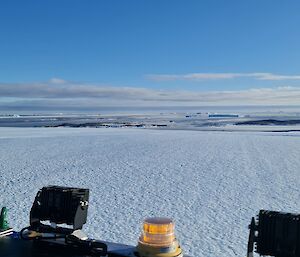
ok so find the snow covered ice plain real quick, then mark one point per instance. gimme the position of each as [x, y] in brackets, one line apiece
[211, 183]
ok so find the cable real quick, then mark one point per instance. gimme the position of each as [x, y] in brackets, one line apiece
[21, 234]
[37, 235]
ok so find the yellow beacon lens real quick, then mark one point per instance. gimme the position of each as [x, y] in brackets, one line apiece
[158, 239]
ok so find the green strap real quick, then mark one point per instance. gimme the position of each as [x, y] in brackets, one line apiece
[3, 219]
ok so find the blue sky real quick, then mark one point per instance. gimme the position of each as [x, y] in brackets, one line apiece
[144, 47]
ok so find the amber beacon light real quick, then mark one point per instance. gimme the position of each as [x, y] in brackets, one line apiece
[158, 239]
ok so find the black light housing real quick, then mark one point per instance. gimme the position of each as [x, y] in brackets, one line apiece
[60, 205]
[275, 234]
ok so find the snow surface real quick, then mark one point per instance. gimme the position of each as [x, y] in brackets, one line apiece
[211, 183]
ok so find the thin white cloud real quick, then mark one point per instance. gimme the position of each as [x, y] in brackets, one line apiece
[220, 76]
[53, 93]
[58, 81]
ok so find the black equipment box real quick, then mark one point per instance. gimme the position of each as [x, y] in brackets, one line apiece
[60, 205]
[278, 234]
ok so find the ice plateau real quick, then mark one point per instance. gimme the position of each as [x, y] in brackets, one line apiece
[211, 183]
